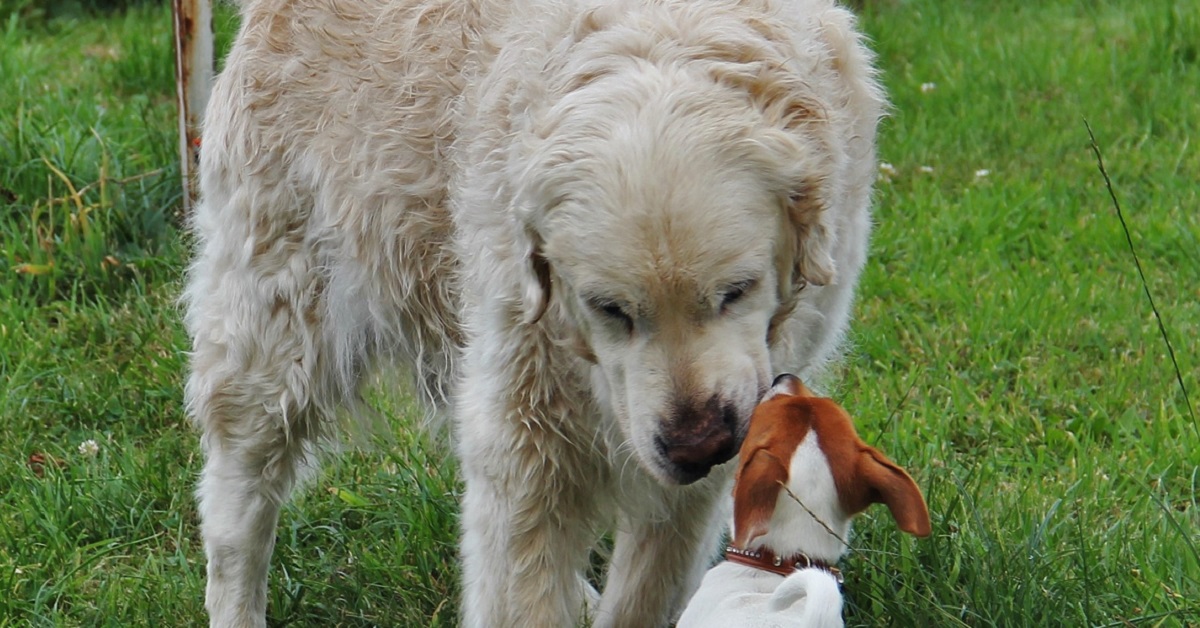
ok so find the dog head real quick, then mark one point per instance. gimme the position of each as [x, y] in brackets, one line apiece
[676, 208]
[809, 444]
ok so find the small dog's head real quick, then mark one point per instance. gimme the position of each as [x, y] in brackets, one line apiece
[809, 444]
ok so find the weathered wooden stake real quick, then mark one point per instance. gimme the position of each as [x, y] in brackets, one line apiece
[193, 80]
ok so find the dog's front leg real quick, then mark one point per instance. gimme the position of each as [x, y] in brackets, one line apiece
[528, 515]
[658, 562]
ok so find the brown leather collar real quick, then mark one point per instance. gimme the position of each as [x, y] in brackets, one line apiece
[766, 560]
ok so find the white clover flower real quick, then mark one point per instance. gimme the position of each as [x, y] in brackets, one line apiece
[89, 447]
[982, 172]
[886, 170]
[926, 169]
[928, 87]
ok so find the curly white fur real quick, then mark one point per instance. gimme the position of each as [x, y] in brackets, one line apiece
[461, 188]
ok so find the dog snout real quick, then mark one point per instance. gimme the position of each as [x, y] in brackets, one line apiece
[785, 380]
[697, 438]
[786, 384]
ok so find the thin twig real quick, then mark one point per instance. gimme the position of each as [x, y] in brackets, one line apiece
[1162, 328]
[77, 195]
[122, 181]
[813, 514]
[901, 581]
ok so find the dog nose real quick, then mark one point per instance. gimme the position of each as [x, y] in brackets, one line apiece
[786, 379]
[697, 439]
[786, 384]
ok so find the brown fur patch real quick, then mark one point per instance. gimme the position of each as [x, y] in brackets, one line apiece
[776, 429]
[861, 473]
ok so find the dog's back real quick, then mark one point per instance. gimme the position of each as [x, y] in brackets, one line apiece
[734, 595]
[811, 596]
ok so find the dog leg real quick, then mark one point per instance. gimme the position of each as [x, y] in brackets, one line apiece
[256, 444]
[259, 390]
[658, 563]
[528, 513]
[240, 494]
[521, 566]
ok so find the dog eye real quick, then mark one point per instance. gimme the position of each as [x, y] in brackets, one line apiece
[613, 312]
[733, 295]
[736, 292]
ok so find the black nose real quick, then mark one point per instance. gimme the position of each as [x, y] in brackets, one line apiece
[787, 378]
[697, 438]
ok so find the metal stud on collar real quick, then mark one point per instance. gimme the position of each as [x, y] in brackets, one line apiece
[769, 561]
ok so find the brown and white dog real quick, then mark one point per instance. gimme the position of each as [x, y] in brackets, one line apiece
[780, 569]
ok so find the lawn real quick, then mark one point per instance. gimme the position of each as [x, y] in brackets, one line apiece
[1004, 349]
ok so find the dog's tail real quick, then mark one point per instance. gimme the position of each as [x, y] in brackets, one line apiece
[812, 595]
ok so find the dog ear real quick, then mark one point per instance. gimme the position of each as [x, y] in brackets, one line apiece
[536, 279]
[759, 481]
[892, 486]
[797, 146]
[798, 160]
[801, 152]
[808, 217]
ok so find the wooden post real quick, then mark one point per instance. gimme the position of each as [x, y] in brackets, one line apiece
[193, 80]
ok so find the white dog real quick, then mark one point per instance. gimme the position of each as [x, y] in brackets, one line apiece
[780, 571]
[590, 229]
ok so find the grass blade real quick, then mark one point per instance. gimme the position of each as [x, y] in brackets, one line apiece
[1162, 328]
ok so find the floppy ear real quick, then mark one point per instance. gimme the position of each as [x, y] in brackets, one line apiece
[892, 486]
[757, 490]
[531, 174]
[527, 242]
[535, 288]
[803, 153]
[808, 217]
[796, 148]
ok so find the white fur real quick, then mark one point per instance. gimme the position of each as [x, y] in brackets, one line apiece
[380, 181]
[737, 596]
[793, 527]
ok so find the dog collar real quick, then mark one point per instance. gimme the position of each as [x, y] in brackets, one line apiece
[766, 560]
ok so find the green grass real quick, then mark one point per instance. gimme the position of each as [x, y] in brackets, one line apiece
[1003, 351]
